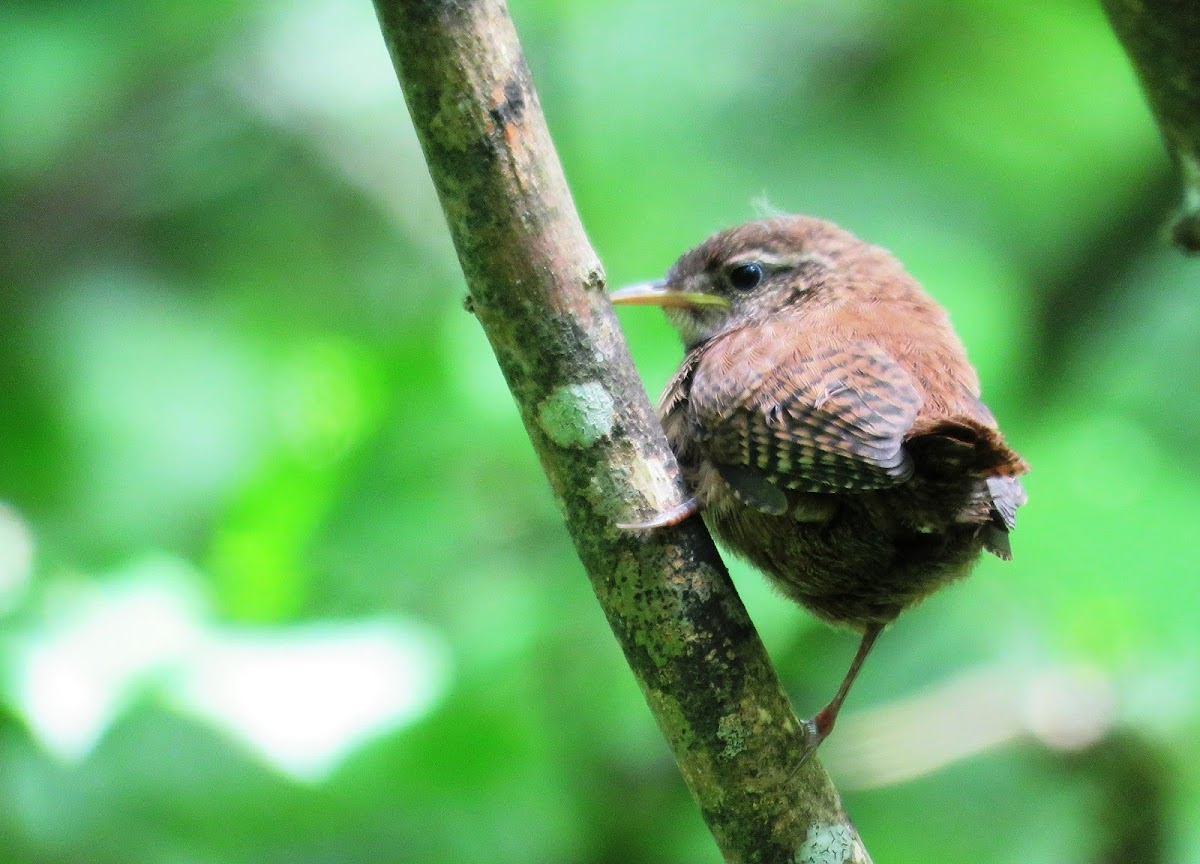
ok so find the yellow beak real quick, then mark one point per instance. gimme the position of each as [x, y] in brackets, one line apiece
[659, 294]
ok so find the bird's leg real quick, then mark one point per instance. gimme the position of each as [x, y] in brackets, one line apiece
[673, 516]
[818, 728]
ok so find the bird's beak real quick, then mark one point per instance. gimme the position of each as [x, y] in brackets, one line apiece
[660, 294]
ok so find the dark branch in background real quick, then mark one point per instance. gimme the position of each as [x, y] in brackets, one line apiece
[1134, 786]
[1162, 38]
[537, 289]
[1086, 288]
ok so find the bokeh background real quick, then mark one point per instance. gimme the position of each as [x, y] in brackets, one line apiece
[280, 579]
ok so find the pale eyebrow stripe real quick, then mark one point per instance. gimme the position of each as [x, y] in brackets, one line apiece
[771, 260]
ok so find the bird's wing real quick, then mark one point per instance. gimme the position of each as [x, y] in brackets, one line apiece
[789, 413]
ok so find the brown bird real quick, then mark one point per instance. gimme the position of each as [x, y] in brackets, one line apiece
[829, 425]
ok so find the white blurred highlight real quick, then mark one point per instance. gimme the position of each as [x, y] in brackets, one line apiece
[16, 556]
[307, 697]
[1065, 708]
[97, 643]
[303, 698]
[1070, 708]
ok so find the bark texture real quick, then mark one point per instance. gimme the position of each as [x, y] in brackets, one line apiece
[1162, 38]
[536, 286]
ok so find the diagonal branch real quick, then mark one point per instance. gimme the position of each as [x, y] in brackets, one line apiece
[536, 287]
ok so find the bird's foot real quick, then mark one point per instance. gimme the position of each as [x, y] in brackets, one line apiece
[667, 518]
[816, 730]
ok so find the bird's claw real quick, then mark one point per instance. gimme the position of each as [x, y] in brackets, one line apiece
[816, 730]
[667, 518]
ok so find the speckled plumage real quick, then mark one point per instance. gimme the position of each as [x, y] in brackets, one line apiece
[829, 423]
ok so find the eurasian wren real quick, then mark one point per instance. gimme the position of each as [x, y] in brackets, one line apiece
[829, 425]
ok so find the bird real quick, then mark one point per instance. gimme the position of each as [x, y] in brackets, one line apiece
[829, 426]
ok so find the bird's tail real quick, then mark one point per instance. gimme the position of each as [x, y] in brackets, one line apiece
[951, 446]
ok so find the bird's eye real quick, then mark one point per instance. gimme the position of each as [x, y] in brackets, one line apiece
[743, 277]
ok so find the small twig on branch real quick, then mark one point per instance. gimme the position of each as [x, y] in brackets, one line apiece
[1162, 38]
[536, 287]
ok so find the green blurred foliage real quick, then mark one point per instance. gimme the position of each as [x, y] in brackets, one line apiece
[233, 356]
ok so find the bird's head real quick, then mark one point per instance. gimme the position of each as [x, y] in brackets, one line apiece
[761, 269]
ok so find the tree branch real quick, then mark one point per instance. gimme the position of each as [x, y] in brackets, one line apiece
[1162, 38]
[536, 287]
